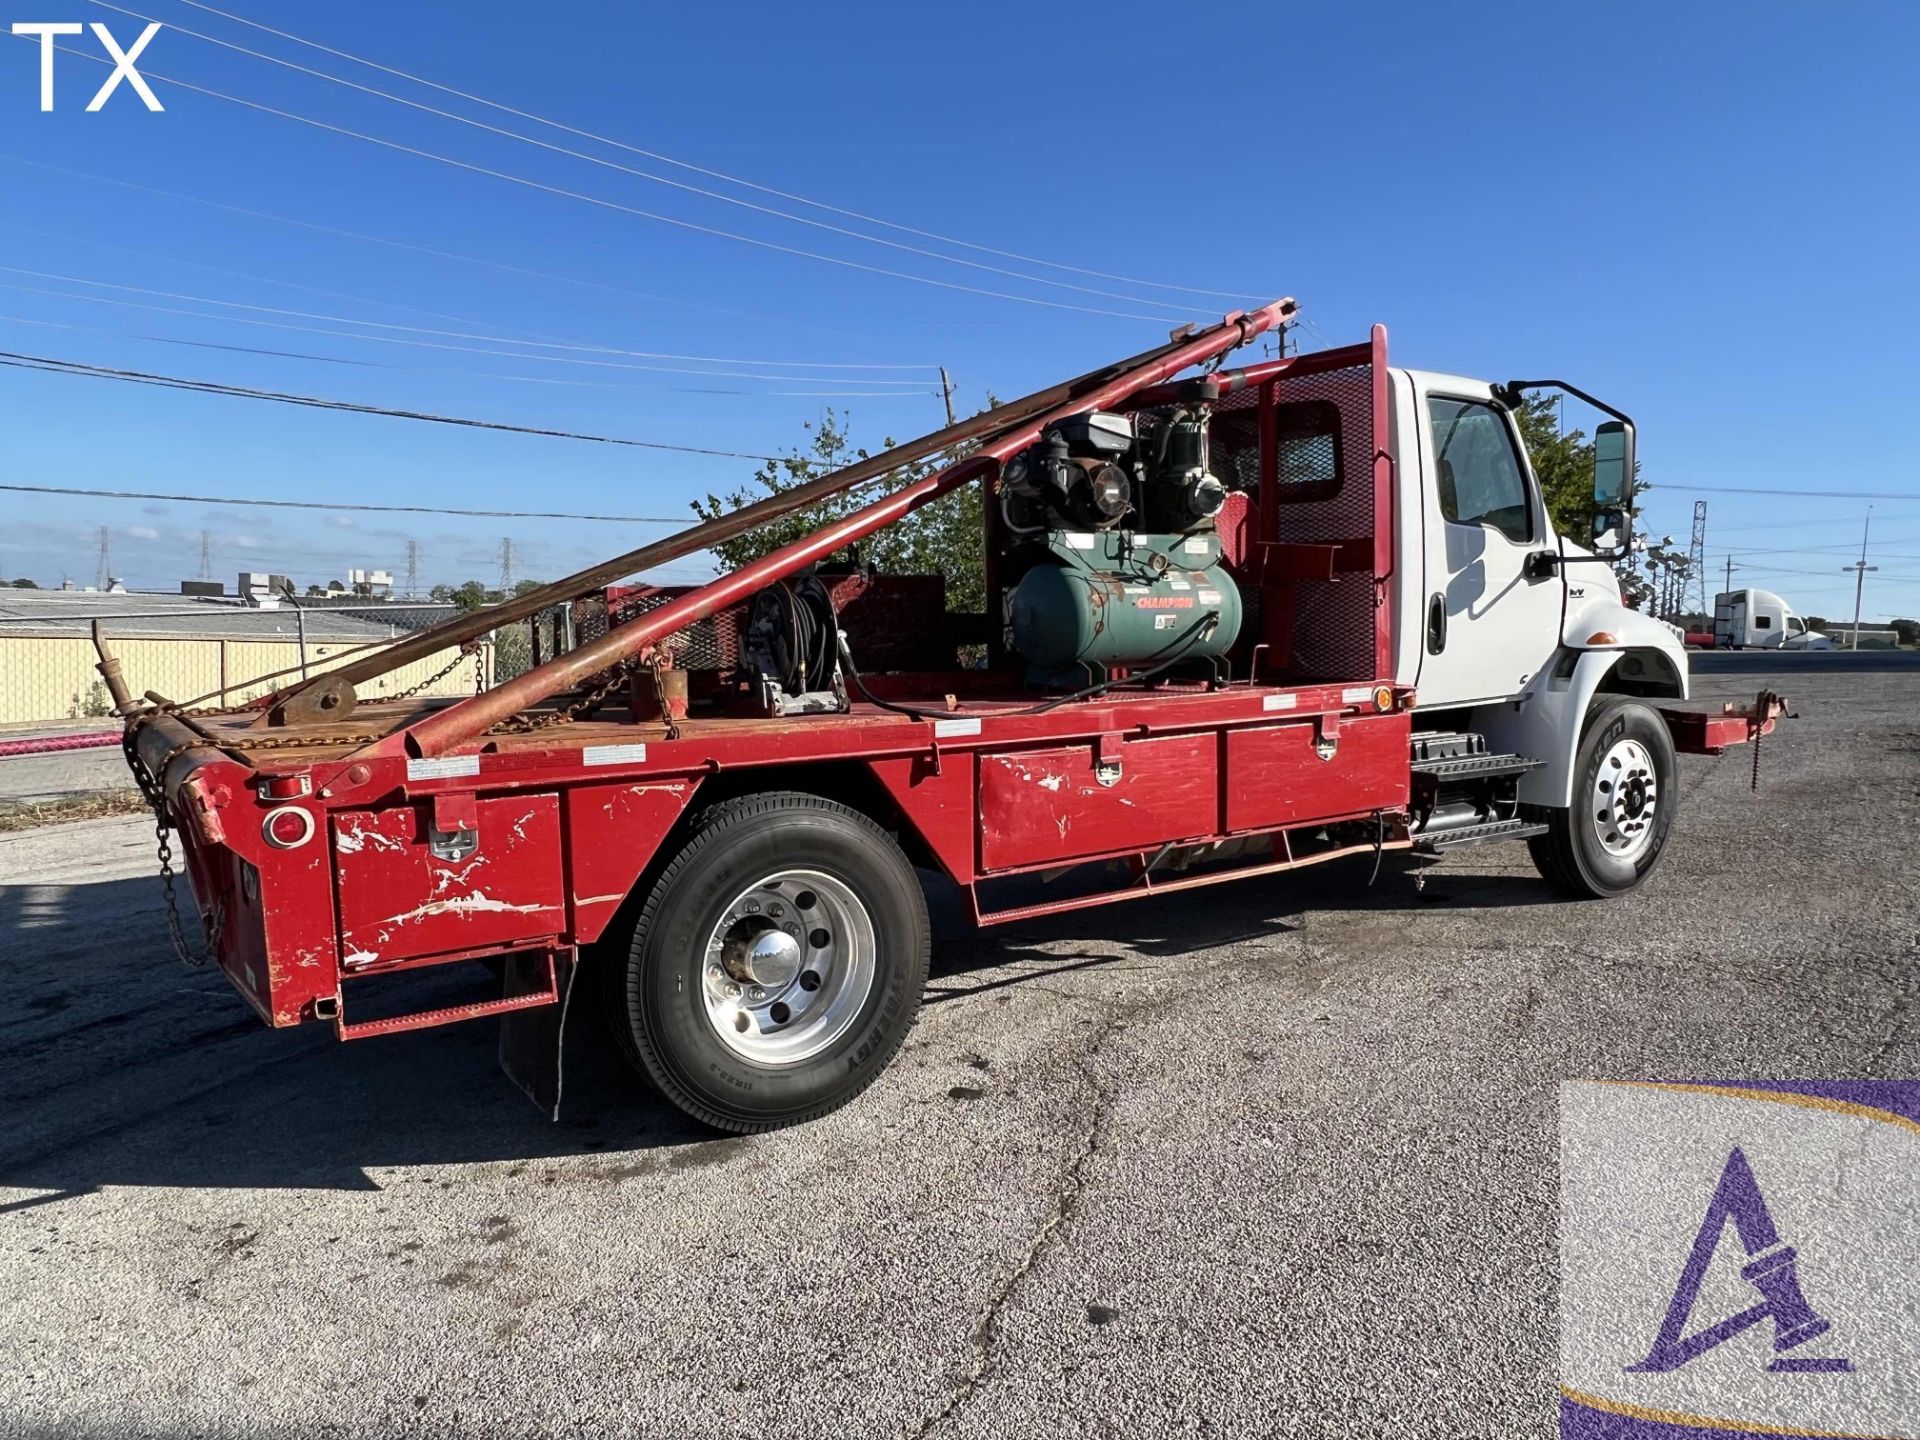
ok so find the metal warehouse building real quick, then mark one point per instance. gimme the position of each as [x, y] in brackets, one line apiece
[185, 647]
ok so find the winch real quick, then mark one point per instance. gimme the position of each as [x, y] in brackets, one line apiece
[1097, 596]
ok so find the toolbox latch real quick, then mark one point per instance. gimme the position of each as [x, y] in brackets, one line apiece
[455, 832]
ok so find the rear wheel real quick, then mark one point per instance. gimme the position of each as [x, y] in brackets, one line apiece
[777, 965]
[1624, 801]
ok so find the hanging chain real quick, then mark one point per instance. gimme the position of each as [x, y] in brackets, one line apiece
[150, 779]
[442, 673]
[589, 701]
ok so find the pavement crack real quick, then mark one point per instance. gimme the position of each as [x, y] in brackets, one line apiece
[984, 1342]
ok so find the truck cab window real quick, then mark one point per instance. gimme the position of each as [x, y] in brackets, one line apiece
[1763, 622]
[1478, 472]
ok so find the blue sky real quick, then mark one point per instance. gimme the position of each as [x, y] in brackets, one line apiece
[1705, 214]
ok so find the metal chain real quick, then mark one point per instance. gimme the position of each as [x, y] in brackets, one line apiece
[567, 714]
[151, 783]
[442, 673]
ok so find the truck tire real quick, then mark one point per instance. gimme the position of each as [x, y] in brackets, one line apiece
[1624, 801]
[777, 964]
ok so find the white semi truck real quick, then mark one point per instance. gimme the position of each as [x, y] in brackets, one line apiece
[1753, 619]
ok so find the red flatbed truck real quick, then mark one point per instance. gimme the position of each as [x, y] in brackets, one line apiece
[1240, 621]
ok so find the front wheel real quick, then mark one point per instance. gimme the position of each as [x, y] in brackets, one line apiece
[777, 965]
[1624, 799]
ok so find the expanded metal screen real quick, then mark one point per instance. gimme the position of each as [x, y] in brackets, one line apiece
[1324, 424]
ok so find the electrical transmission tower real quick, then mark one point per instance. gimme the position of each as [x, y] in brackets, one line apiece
[1697, 554]
[506, 566]
[206, 554]
[106, 558]
[413, 569]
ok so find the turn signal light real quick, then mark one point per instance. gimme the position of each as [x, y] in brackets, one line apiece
[1603, 637]
[1383, 697]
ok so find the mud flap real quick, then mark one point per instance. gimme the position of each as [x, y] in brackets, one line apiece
[533, 1042]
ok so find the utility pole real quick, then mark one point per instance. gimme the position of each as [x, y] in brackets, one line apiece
[206, 554]
[1729, 584]
[106, 559]
[506, 567]
[1859, 567]
[1697, 553]
[413, 569]
[946, 393]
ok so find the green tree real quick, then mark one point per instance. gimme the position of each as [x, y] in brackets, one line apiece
[1562, 463]
[1654, 574]
[942, 538]
[1907, 632]
[25, 584]
[469, 596]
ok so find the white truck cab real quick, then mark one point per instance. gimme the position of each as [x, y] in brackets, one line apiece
[1753, 619]
[1500, 616]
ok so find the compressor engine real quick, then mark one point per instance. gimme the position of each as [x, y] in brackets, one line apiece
[1109, 536]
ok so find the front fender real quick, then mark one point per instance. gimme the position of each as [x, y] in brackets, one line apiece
[1544, 722]
[1603, 623]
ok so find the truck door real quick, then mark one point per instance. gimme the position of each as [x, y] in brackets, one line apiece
[1492, 611]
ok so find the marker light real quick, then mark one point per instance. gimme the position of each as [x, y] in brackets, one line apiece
[287, 828]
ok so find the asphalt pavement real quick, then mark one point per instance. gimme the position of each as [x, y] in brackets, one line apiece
[1274, 1161]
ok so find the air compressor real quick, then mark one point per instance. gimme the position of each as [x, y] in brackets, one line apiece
[1109, 523]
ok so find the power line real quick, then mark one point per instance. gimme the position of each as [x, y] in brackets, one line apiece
[432, 370]
[338, 505]
[606, 204]
[385, 240]
[510, 337]
[1809, 494]
[701, 191]
[378, 325]
[698, 169]
[513, 336]
[244, 392]
[204, 344]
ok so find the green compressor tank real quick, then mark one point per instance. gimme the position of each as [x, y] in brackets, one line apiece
[1102, 600]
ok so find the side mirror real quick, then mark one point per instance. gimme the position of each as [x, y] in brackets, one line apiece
[1612, 486]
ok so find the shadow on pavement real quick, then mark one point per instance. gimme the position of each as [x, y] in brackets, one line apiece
[120, 1067]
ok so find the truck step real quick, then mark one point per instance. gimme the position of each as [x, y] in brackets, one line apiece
[1474, 767]
[1476, 835]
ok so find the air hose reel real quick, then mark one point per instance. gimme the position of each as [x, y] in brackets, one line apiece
[790, 651]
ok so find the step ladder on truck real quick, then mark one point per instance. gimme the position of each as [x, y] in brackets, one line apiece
[1240, 620]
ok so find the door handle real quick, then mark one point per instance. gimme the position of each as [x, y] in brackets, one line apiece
[1436, 624]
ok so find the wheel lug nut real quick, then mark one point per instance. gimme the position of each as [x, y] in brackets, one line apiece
[758, 993]
[753, 907]
[733, 992]
[775, 911]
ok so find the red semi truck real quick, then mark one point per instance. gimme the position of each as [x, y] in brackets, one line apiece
[1239, 621]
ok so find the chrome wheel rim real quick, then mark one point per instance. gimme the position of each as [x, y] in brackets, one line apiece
[1625, 800]
[788, 966]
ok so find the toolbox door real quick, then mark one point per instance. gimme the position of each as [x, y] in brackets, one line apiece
[1097, 797]
[399, 900]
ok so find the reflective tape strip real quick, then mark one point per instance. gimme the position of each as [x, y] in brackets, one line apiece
[1280, 702]
[1358, 695]
[612, 754]
[445, 768]
[949, 729]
